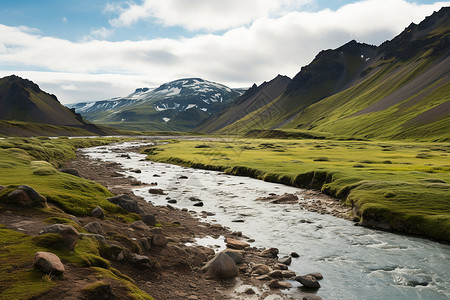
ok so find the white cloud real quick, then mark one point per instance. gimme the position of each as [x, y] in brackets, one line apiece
[100, 33]
[64, 20]
[69, 87]
[239, 57]
[211, 15]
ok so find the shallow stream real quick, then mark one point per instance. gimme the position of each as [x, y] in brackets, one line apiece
[357, 263]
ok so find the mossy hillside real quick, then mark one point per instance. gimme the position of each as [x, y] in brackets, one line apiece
[72, 194]
[403, 184]
[19, 280]
[337, 114]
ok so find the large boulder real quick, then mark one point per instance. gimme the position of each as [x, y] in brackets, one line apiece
[235, 255]
[127, 203]
[68, 232]
[47, 262]
[308, 281]
[26, 196]
[221, 266]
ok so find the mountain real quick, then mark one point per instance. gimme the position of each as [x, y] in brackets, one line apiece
[23, 103]
[178, 105]
[399, 89]
[253, 99]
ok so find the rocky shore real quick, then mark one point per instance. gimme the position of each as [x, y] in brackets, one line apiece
[160, 254]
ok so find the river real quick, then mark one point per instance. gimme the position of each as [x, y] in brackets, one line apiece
[357, 262]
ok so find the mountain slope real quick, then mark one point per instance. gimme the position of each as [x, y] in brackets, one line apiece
[399, 89]
[253, 99]
[23, 101]
[157, 108]
[405, 95]
[330, 72]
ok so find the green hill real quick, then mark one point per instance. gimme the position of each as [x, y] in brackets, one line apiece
[398, 90]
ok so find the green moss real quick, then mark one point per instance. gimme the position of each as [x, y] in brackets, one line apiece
[418, 195]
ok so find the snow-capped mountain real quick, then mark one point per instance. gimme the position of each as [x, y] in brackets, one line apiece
[195, 98]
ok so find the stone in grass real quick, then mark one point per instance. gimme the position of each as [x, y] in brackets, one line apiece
[68, 232]
[150, 220]
[26, 196]
[48, 263]
[308, 281]
[98, 290]
[70, 171]
[94, 227]
[221, 266]
[97, 212]
[127, 203]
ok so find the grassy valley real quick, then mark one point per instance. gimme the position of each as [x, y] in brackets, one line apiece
[392, 185]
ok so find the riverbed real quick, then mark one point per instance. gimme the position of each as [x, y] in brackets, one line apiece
[357, 262]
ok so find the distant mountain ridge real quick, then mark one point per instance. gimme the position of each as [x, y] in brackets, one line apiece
[194, 98]
[23, 103]
[399, 89]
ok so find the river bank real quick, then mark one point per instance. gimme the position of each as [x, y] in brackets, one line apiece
[178, 273]
[356, 261]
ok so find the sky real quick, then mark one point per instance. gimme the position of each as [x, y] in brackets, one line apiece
[84, 50]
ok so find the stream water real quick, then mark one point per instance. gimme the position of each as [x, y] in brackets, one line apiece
[357, 263]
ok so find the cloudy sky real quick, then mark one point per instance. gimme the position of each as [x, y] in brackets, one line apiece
[97, 49]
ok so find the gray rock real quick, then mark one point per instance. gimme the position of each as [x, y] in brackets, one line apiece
[150, 220]
[139, 225]
[98, 212]
[26, 196]
[235, 255]
[295, 254]
[308, 281]
[264, 278]
[47, 262]
[100, 238]
[249, 291]
[172, 201]
[159, 240]
[198, 204]
[221, 266]
[280, 267]
[137, 171]
[127, 203]
[285, 260]
[70, 171]
[94, 227]
[141, 260]
[68, 232]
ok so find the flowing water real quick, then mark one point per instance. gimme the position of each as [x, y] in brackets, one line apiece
[357, 263]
